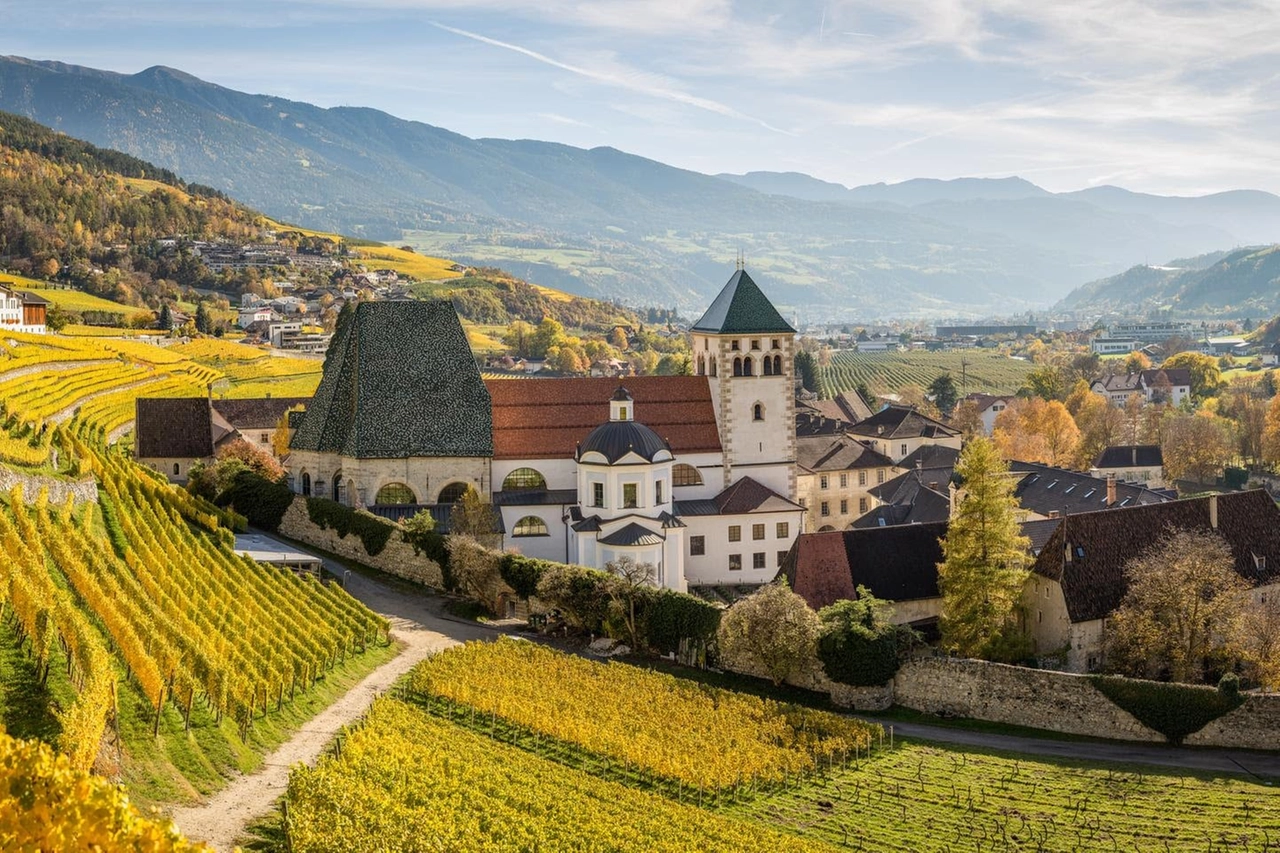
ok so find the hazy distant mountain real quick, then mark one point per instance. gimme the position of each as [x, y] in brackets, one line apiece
[1240, 283]
[605, 223]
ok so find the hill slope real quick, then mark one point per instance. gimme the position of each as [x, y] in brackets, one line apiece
[1237, 284]
[599, 221]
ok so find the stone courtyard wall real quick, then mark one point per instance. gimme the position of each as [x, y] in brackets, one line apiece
[1254, 725]
[80, 491]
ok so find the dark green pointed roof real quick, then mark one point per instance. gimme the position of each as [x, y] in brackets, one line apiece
[741, 308]
[399, 381]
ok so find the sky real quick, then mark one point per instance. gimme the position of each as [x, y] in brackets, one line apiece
[1169, 97]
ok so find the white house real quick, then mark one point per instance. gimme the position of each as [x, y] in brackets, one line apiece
[22, 311]
[1155, 385]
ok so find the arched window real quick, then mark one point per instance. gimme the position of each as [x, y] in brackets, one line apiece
[350, 492]
[713, 367]
[702, 365]
[337, 487]
[746, 366]
[306, 484]
[177, 469]
[757, 412]
[685, 475]
[767, 364]
[737, 367]
[452, 493]
[530, 525]
[777, 365]
[826, 528]
[522, 479]
[395, 494]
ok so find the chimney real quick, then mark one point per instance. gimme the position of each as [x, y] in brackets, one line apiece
[1111, 490]
[1053, 513]
[1213, 511]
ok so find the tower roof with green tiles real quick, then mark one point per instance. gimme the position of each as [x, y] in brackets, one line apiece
[742, 308]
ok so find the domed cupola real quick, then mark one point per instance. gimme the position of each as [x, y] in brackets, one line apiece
[612, 442]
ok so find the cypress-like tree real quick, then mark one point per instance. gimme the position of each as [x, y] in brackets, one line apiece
[204, 324]
[165, 320]
[984, 567]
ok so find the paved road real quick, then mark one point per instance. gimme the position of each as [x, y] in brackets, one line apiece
[419, 622]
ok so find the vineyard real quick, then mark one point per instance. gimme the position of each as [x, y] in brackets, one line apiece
[406, 780]
[675, 730]
[889, 372]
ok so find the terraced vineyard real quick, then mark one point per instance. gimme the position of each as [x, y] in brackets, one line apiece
[888, 372]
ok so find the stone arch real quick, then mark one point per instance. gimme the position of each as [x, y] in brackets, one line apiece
[452, 493]
[747, 367]
[826, 528]
[394, 494]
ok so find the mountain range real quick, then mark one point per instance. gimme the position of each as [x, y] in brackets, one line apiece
[605, 223]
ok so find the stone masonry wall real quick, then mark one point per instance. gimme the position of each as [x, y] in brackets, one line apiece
[80, 491]
[1056, 701]
[397, 558]
[1254, 725]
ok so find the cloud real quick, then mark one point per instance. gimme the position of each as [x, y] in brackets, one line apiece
[634, 81]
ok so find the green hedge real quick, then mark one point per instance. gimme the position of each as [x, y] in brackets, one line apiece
[374, 532]
[262, 502]
[671, 617]
[1174, 710]
[522, 573]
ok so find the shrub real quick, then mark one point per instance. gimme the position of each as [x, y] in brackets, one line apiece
[262, 502]
[578, 592]
[1174, 710]
[859, 645]
[522, 573]
[476, 570]
[672, 617]
[374, 532]
[772, 631]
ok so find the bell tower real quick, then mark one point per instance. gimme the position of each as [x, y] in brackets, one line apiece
[747, 352]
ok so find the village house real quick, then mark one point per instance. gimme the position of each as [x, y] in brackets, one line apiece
[899, 431]
[173, 433]
[989, 407]
[1132, 463]
[22, 311]
[834, 478]
[1155, 385]
[1078, 579]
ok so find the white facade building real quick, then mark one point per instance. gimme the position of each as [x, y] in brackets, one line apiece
[21, 311]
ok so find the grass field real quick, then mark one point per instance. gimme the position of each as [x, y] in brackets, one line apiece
[887, 372]
[70, 300]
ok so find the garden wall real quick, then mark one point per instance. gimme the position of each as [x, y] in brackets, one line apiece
[396, 558]
[80, 491]
[1254, 725]
[1037, 698]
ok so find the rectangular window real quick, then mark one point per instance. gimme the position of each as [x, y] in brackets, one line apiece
[758, 560]
[757, 531]
[630, 495]
[862, 478]
[755, 344]
[782, 556]
[825, 509]
[265, 438]
[697, 545]
[823, 482]
[735, 562]
[735, 346]
[775, 344]
[804, 502]
[904, 449]
[597, 494]
[844, 481]
[844, 507]
[657, 492]
[862, 506]
[784, 530]
[879, 475]
[735, 533]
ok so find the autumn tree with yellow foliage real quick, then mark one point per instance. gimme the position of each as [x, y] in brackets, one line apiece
[1035, 430]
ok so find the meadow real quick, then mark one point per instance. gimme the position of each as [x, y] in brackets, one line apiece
[889, 372]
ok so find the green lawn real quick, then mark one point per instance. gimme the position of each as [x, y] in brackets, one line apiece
[976, 370]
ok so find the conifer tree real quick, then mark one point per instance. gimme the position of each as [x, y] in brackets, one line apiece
[984, 565]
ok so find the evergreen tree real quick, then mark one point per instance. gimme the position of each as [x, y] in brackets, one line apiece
[807, 370]
[944, 393]
[984, 558]
[165, 320]
[204, 324]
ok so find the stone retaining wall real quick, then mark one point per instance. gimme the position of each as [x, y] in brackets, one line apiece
[1037, 698]
[1254, 725]
[397, 558]
[80, 491]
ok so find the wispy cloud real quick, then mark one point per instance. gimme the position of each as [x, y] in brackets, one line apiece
[635, 81]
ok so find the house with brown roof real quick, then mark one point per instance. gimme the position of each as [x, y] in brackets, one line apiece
[1154, 385]
[899, 431]
[989, 407]
[21, 310]
[835, 478]
[1078, 577]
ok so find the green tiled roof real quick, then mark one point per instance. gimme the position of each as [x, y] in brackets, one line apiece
[399, 381]
[741, 308]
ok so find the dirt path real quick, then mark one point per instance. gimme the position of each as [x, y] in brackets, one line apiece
[416, 622]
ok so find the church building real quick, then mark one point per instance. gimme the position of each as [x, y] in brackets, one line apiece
[693, 474]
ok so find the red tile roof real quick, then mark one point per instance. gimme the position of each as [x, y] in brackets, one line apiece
[546, 418]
